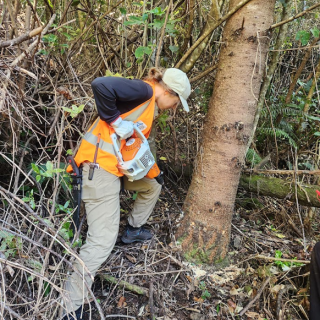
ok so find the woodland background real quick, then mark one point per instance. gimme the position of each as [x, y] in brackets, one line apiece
[50, 52]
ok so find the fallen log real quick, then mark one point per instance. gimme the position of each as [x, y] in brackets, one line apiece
[281, 189]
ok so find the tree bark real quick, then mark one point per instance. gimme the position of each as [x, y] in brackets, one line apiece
[275, 57]
[205, 229]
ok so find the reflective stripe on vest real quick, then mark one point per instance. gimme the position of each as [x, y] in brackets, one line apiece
[103, 145]
[106, 155]
[136, 114]
[106, 146]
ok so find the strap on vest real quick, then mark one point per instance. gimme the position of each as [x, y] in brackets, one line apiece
[106, 146]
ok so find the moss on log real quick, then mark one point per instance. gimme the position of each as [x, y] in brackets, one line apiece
[126, 285]
[281, 189]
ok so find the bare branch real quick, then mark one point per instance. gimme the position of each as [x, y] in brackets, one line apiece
[18, 40]
[295, 16]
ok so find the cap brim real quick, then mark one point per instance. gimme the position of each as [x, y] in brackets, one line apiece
[184, 103]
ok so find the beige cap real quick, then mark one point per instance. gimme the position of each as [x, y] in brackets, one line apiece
[178, 81]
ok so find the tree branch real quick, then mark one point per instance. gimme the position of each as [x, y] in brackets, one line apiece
[18, 40]
[210, 30]
[295, 16]
[201, 75]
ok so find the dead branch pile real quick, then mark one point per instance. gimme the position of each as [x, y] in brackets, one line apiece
[47, 65]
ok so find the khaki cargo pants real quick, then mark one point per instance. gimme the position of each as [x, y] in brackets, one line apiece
[101, 198]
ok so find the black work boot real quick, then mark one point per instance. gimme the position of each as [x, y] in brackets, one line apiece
[70, 316]
[132, 234]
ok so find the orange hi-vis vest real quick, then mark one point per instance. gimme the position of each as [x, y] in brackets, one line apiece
[106, 157]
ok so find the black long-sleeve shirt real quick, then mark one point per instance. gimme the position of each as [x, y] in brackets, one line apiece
[115, 96]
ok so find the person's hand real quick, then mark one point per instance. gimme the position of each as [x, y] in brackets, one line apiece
[160, 178]
[124, 129]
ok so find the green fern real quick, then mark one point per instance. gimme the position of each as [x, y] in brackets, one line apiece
[280, 134]
[252, 157]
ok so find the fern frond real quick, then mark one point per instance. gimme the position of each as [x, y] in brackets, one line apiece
[280, 134]
[252, 157]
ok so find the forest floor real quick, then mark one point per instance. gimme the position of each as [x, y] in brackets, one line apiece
[246, 285]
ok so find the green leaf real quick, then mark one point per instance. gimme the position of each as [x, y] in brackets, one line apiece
[174, 48]
[30, 278]
[50, 4]
[134, 197]
[34, 264]
[157, 23]
[49, 166]
[278, 254]
[44, 52]
[140, 51]
[123, 11]
[317, 134]
[66, 205]
[47, 288]
[69, 152]
[145, 17]
[312, 117]
[38, 177]
[133, 20]
[50, 38]
[35, 168]
[67, 35]
[157, 11]
[303, 36]
[75, 3]
[315, 32]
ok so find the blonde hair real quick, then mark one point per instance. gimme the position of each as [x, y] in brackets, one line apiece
[155, 75]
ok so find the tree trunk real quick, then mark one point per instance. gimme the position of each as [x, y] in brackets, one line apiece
[205, 229]
[274, 57]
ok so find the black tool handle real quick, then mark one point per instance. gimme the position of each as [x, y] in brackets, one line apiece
[73, 165]
[91, 171]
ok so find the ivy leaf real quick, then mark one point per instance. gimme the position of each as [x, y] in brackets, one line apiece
[303, 36]
[315, 32]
